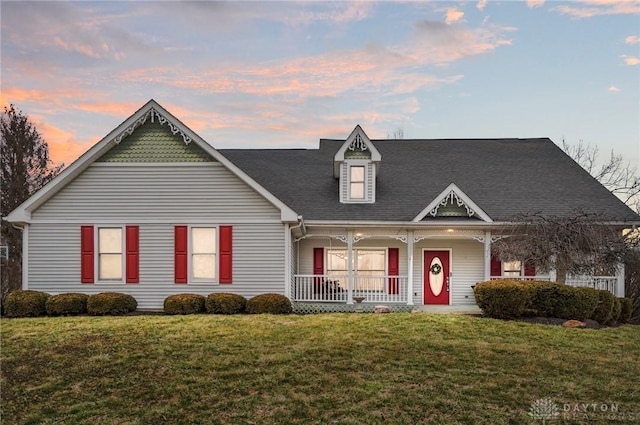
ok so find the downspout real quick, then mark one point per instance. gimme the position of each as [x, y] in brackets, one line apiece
[289, 242]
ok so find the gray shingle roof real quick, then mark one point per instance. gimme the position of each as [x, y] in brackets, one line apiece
[504, 177]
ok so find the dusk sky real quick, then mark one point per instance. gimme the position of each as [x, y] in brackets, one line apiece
[285, 74]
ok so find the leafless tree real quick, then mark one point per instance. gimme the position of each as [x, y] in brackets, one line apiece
[617, 175]
[397, 134]
[579, 244]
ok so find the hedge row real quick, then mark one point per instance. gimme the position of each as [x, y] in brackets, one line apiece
[34, 303]
[226, 303]
[505, 299]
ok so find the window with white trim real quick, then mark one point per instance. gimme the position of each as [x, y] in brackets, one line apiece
[110, 254]
[512, 268]
[356, 181]
[203, 253]
[369, 265]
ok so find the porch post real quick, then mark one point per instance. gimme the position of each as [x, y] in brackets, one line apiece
[620, 281]
[409, 267]
[487, 255]
[349, 267]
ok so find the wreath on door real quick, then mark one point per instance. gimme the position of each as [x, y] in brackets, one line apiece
[435, 269]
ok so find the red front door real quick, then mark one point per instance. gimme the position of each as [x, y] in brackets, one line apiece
[436, 277]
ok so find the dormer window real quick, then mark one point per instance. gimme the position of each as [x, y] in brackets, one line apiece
[356, 182]
[356, 165]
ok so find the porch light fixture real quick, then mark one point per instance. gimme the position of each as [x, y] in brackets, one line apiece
[450, 230]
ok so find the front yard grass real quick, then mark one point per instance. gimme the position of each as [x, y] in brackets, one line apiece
[316, 369]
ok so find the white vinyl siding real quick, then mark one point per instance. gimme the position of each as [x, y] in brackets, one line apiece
[157, 198]
[139, 192]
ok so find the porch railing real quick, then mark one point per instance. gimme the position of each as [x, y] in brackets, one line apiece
[522, 277]
[333, 288]
[608, 283]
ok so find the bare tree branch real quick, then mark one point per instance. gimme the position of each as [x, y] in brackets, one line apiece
[617, 175]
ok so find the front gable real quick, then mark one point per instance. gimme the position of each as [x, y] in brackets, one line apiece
[136, 146]
[452, 203]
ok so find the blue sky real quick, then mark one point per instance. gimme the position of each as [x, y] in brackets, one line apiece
[285, 74]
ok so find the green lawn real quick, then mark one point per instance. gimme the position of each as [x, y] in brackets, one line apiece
[324, 369]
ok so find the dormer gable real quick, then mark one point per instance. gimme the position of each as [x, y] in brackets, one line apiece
[356, 165]
[452, 203]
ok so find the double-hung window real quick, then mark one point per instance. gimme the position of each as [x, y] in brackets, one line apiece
[110, 254]
[203, 253]
[356, 182]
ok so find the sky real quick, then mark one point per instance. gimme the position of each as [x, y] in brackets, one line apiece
[285, 74]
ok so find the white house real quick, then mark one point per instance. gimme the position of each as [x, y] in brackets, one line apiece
[153, 210]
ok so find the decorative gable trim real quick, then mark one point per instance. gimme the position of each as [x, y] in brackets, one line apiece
[153, 114]
[22, 214]
[453, 194]
[358, 141]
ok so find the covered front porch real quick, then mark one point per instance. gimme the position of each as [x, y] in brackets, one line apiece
[405, 267]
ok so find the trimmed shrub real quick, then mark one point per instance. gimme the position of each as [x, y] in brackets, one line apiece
[615, 312]
[26, 303]
[225, 303]
[545, 299]
[502, 298]
[67, 304]
[184, 304]
[626, 310]
[270, 304]
[604, 311]
[575, 303]
[110, 303]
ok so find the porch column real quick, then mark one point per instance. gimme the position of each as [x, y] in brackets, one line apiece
[620, 281]
[487, 255]
[349, 266]
[409, 267]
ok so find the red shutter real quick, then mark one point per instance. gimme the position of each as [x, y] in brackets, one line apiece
[318, 264]
[133, 254]
[86, 254]
[394, 269]
[180, 254]
[226, 257]
[529, 269]
[496, 267]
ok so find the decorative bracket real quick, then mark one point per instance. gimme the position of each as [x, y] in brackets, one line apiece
[452, 197]
[341, 238]
[358, 144]
[161, 119]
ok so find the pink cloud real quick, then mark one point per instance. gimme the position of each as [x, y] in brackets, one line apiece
[63, 145]
[535, 3]
[591, 8]
[481, 4]
[630, 60]
[454, 15]
[632, 39]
